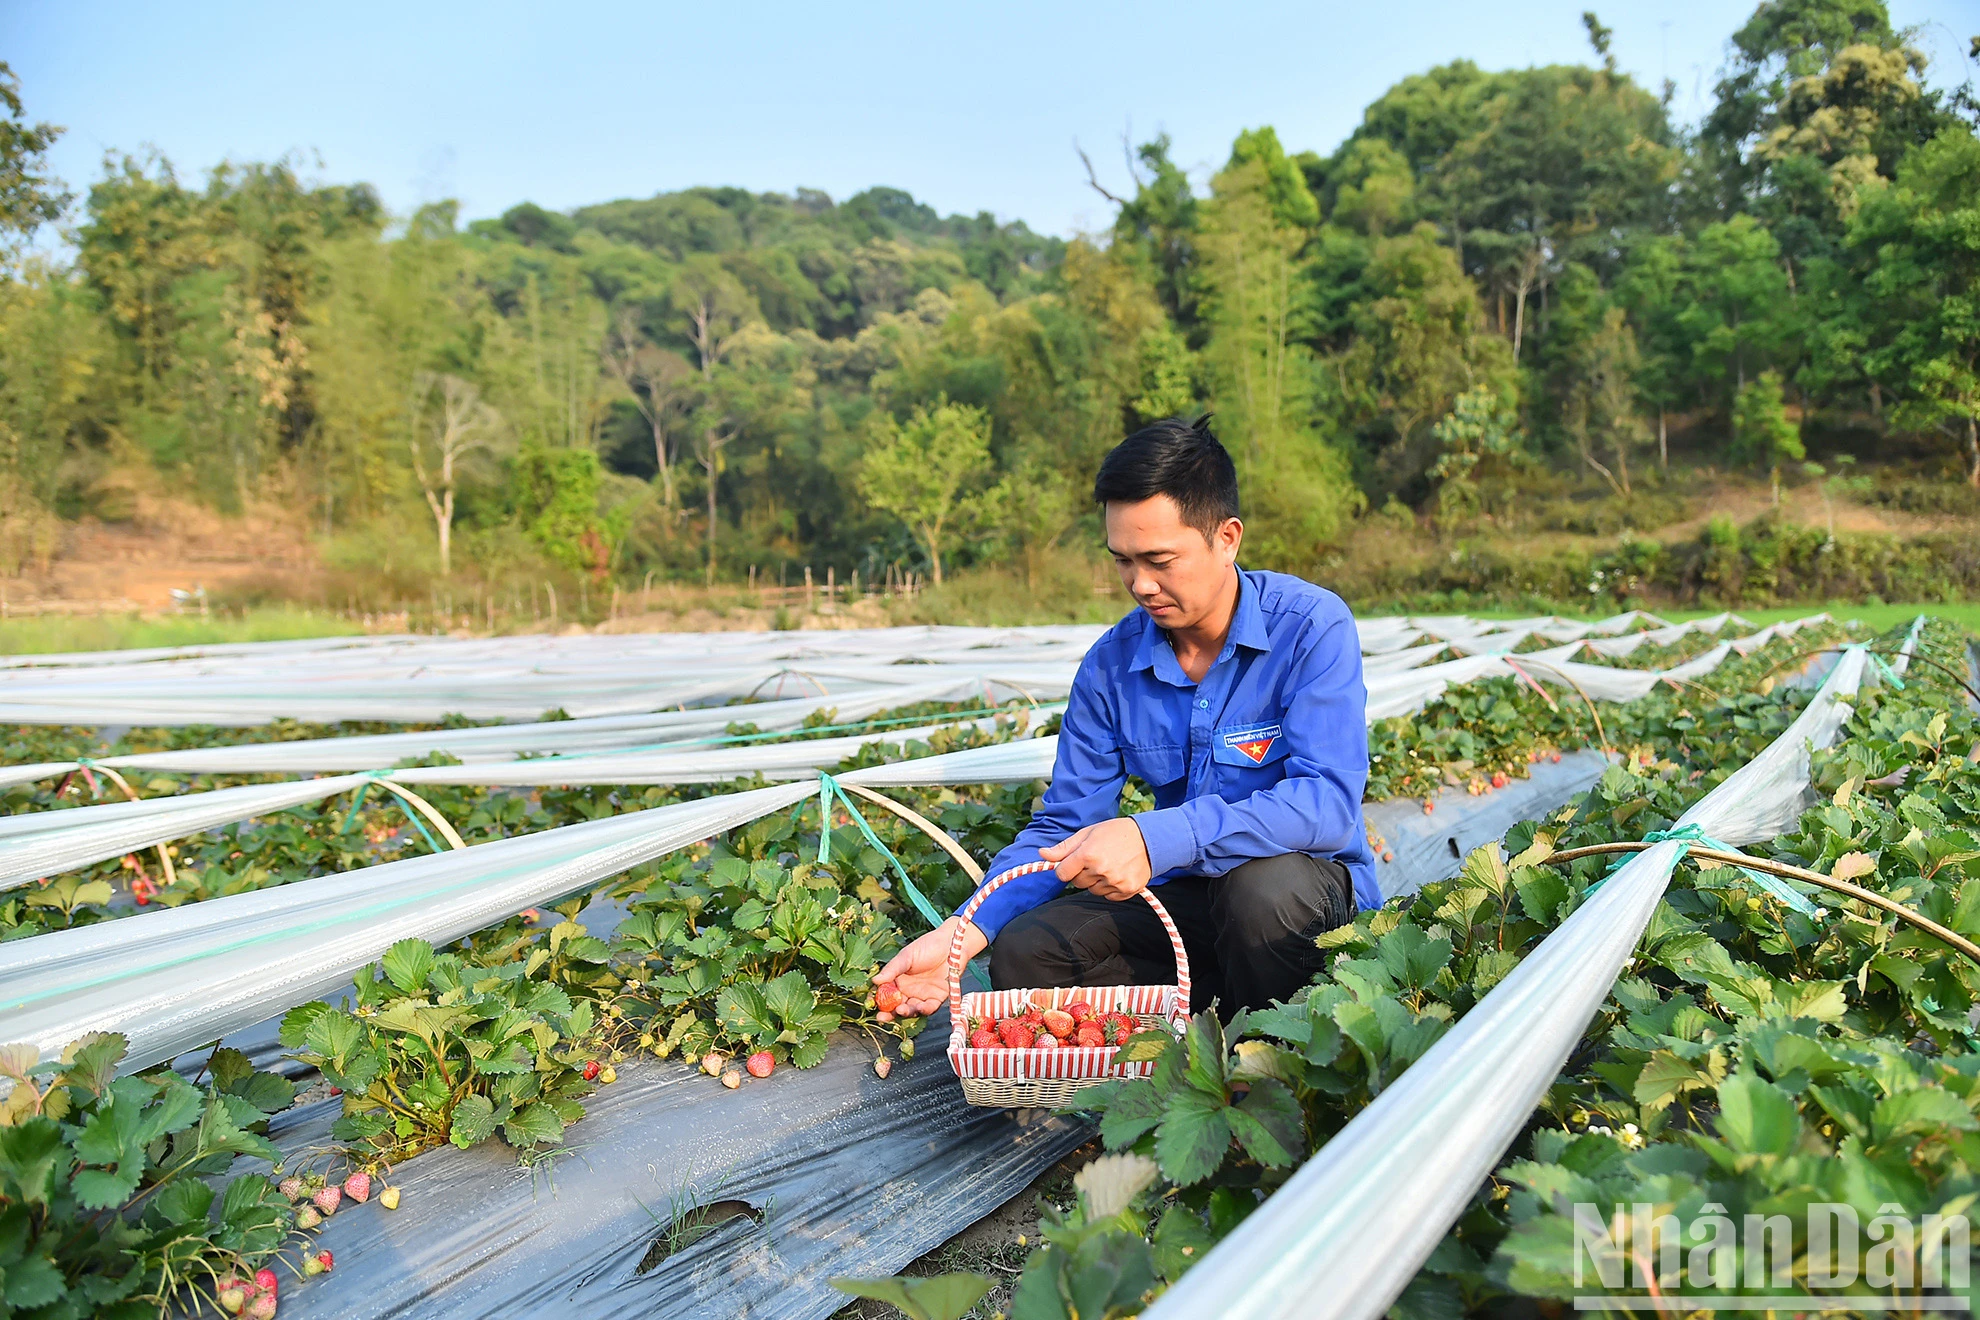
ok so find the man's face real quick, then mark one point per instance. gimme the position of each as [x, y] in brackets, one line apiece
[1172, 570]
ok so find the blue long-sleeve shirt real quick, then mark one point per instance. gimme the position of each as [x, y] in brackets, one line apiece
[1267, 755]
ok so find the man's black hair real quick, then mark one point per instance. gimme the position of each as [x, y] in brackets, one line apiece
[1175, 458]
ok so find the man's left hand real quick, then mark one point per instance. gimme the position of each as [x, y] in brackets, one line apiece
[1109, 858]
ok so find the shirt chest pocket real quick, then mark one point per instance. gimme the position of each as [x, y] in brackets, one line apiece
[1249, 746]
[1156, 766]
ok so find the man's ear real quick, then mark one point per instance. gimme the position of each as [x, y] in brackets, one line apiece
[1230, 536]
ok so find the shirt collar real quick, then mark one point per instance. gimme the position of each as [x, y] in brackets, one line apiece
[1247, 630]
[1248, 623]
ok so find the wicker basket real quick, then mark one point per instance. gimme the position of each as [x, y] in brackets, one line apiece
[1013, 1079]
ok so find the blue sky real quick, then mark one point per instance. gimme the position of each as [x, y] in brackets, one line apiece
[969, 106]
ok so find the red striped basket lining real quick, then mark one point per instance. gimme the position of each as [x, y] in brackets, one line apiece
[1154, 1005]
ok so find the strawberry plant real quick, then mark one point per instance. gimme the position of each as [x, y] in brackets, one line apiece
[108, 1203]
[441, 1048]
[741, 954]
[1752, 1056]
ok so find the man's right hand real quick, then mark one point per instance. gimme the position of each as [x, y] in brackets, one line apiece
[921, 970]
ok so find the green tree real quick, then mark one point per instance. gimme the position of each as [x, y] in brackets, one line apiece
[1563, 159]
[1599, 411]
[1419, 342]
[29, 196]
[1763, 433]
[1253, 281]
[1914, 294]
[1158, 224]
[1480, 429]
[1734, 303]
[712, 311]
[922, 472]
[1820, 97]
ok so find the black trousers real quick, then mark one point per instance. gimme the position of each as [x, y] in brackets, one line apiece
[1249, 934]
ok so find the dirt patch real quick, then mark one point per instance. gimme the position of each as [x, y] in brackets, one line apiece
[166, 544]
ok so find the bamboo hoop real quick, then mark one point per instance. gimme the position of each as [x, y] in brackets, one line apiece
[922, 823]
[1829, 882]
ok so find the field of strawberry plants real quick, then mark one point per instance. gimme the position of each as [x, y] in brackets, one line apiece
[747, 955]
[1753, 1059]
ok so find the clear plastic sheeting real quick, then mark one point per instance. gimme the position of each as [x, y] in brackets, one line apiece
[715, 765]
[829, 1171]
[505, 742]
[1617, 647]
[1366, 1211]
[37, 844]
[173, 979]
[519, 678]
[43, 843]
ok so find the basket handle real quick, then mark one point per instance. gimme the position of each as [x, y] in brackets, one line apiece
[990, 886]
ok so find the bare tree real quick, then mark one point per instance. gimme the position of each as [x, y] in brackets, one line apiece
[462, 425]
[653, 377]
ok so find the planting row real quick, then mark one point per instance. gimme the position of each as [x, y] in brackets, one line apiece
[1752, 1060]
[743, 957]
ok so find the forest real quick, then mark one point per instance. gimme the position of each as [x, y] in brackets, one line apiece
[1508, 303]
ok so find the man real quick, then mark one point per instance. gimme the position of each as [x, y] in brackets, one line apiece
[1237, 698]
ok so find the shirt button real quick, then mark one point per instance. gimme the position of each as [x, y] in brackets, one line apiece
[1203, 705]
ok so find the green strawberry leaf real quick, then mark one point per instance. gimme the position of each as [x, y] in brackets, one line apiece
[533, 1125]
[474, 1121]
[1191, 1139]
[408, 964]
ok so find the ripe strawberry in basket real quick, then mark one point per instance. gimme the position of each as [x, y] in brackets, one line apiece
[1016, 1034]
[1089, 1034]
[1081, 1011]
[983, 1038]
[1047, 1041]
[1058, 1023]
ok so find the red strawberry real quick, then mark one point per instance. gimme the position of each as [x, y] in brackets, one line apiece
[1047, 1041]
[1059, 1022]
[1089, 1034]
[1081, 1011]
[265, 1280]
[1016, 1035]
[984, 1039]
[760, 1063]
[887, 997]
[358, 1187]
[1499, 779]
[591, 1070]
[326, 1199]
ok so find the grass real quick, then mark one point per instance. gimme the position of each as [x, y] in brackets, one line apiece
[116, 632]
